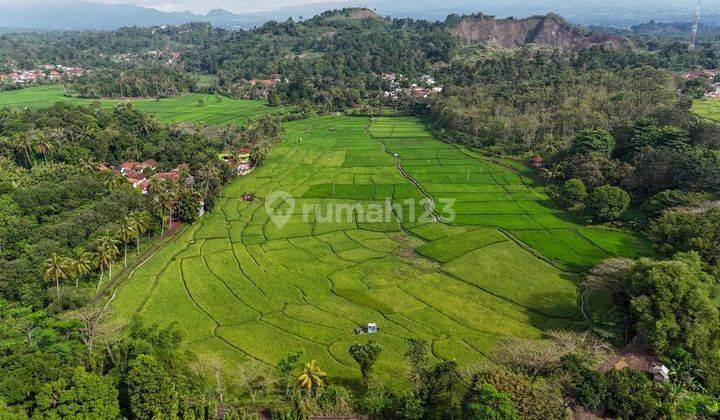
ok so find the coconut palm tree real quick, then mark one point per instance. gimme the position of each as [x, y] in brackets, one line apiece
[23, 144]
[126, 233]
[113, 182]
[148, 125]
[312, 377]
[58, 135]
[257, 156]
[209, 175]
[55, 268]
[42, 144]
[88, 164]
[106, 255]
[81, 263]
[141, 224]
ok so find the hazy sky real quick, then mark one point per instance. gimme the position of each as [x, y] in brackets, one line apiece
[202, 6]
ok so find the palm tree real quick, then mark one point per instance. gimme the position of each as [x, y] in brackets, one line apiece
[311, 378]
[106, 256]
[148, 125]
[141, 224]
[56, 268]
[88, 164]
[257, 156]
[113, 182]
[208, 175]
[42, 144]
[126, 233]
[58, 135]
[80, 263]
[23, 144]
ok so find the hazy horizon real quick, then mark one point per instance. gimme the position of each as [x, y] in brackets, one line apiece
[249, 6]
[195, 6]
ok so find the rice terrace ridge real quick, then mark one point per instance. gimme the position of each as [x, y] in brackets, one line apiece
[243, 287]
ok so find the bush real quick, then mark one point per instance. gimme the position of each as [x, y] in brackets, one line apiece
[664, 200]
[588, 142]
[585, 385]
[531, 400]
[629, 394]
[572, 193]
[679, 231]
[483, 401]
[606, 204]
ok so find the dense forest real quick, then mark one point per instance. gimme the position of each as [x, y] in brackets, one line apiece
[143, 82]
[610, 130]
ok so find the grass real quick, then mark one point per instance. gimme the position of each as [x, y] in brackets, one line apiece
[707, 108]
[242, 288]
[192, 107]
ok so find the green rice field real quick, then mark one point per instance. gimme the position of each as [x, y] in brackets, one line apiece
[185, 108]
[708, 108]
[493, 258]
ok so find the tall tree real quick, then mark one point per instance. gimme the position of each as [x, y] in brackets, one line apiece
[42, 144]
[55, 268]
[23, 144]
[106, 255]
[365, 355]
[141, 224]
[80, 263]
[126, 233]
[311, 378]
[114, 182]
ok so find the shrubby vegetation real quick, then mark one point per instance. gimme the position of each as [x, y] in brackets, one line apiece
[140, 82]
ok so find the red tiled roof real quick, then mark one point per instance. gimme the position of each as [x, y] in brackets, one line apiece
[150, 163]
[167, 175]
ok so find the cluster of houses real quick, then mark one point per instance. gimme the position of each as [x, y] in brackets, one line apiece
[239, 160]
[169, 57]
[421, 90]
[140, 174]
[268, 83]
[46, 72]
[713, 77]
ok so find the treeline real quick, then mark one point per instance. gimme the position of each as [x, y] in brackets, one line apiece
[134, 82]
[87, 366]
[538, 101]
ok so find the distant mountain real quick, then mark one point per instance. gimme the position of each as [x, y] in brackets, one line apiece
[80, 14]
[86, 15]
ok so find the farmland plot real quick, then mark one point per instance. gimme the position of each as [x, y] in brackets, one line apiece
[496, 263]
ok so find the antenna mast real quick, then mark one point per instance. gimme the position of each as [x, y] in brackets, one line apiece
[693, 40]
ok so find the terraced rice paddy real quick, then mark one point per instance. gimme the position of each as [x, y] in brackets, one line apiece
[186, 108]
[708, 108]
[241, 287]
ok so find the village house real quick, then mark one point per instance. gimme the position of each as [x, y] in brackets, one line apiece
[46, 71]
[274, 80]
[135, 173]
[537, 161]
[427, 80]
[239, 160]
[713, 76]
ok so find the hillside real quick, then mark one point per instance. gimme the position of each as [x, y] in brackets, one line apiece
[550, 31]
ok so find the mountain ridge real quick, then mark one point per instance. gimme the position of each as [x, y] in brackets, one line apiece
[88, 15]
